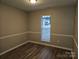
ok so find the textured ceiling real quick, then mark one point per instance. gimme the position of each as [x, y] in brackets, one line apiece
[41, 4]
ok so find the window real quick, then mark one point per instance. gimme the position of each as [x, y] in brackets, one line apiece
[45, 28]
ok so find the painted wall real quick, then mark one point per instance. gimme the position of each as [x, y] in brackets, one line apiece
[75, 49]
[76, 26]
[61, 23]
[12, 21]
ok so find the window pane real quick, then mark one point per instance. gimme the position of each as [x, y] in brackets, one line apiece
[45, 28]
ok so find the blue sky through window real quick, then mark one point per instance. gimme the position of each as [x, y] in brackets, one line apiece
[45, 28]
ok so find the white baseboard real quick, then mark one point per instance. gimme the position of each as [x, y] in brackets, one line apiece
[13, 48]
[72, 55]
[35, 43]
[51, 45]
[75, 42]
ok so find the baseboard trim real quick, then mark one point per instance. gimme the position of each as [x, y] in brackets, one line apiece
[35, 43]
[75, 42]
[13, 48]
[72, 55]
[50, 45]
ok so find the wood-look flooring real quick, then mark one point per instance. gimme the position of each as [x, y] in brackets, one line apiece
[36, 51]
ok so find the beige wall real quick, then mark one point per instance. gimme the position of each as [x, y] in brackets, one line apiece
[61, 20]
[75, 49]
[76, 26]
[61, 23]
[12, 21]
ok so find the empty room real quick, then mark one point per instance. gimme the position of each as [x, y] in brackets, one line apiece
[38, 29]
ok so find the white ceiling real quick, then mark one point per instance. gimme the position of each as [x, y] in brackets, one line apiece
[27, 6]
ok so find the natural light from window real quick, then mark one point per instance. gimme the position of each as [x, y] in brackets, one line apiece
[45, 28]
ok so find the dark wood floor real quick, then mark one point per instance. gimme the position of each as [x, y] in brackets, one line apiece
[35, 51]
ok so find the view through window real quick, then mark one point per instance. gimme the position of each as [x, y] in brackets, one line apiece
[45, 28]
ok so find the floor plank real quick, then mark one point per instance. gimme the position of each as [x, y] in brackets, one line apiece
[36, 51]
